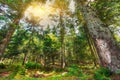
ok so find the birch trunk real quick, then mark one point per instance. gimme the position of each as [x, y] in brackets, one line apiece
[107, 49]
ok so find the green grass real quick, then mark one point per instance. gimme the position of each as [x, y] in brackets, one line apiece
[73, 72]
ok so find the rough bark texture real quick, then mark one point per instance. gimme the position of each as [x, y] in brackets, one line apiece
[92, 47]
[9, 34]
[105, 44]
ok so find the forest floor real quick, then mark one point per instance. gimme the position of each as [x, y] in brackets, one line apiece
[37, 76]
[20, 73]
[75, 72]
[5, 74]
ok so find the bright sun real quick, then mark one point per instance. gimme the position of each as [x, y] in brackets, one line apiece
[37, 11]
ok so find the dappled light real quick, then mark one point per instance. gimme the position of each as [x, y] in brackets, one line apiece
[36, 12]
[59, 39]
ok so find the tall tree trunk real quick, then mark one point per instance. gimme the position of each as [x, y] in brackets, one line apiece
[105, 44]
[9, 34]
[24, 59]
[62, 35]
[92, 47]
[53, 60]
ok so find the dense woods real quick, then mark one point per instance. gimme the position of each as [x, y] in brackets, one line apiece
[59, 40]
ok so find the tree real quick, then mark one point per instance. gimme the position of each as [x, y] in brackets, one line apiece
[50, 48]
[62, 6]
[13, 25]
[106, 47]
[19, 7]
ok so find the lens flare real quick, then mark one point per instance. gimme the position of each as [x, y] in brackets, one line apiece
[37, 11]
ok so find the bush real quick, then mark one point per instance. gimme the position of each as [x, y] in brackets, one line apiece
[2, 66]
[14, 67]
[32, 65]
[22, 71]
[102, 74]
[74, 70]
[118, 71]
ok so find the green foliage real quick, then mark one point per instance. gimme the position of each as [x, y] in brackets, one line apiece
[117, 37]
[74, 70]
[15, 70]
[32, 65]
[3, 32]
[19, 69]
[27, 78]
[2, 66]
[108, 11]
[2, 18]
[14, 47]
[118, 71]
[51, 43]
[22, 71]
[102, 74]
[45, 44]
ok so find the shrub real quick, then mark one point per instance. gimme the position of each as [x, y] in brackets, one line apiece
[102, 74]
[74, 70]
[22, 71]
[2, 66]
[32, 65]
[118, 71]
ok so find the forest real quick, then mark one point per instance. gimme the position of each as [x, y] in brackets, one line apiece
[59, 39]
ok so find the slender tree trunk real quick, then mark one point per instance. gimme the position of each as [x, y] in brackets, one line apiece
[45, 61]
[62, 35]
[24, 59]
[63, 57]
[53, 60]
[42, 60]
[91, 45]
[105, 44]
[9, 34]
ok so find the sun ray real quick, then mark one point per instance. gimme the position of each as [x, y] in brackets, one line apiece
[37, 11]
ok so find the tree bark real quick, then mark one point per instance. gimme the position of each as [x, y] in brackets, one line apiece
[92, 47]
[9, 34]
[62, 35]
[24, 59]
[107, 49]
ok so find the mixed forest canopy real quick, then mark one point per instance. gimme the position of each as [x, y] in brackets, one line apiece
[55, 34]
